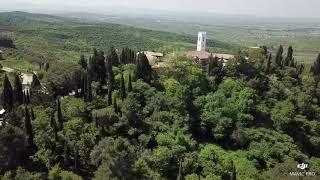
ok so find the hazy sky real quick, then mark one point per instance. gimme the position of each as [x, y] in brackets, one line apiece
[290, 8]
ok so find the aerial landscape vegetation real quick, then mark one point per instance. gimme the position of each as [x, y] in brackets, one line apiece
[95, 106]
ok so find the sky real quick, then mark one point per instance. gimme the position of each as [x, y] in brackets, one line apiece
[281, 8]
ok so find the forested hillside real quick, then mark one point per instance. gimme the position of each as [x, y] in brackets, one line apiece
[41, 37]
[107, 113]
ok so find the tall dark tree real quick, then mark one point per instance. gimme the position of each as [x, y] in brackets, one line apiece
[109, 95]
[32, 115]
[115, 105]
[123, 56]
[122, 88]
[18, 91]
[83, 62]
[234, 171]
[53, 125]
[113, 56]
[315, 68]
[129, 84]
[110, 75]
[27, 97]
[7, 94]
[288, 60]
[215, 68]
[76, 158]
[59, 113]
[279, 56]
[127, 56]
[268, 68]
[66, 154]
[143, 68]
[89, 89]
[35, 82]
[28, 127]
[101, 71]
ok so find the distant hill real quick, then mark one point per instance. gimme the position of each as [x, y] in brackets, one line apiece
[99, 34]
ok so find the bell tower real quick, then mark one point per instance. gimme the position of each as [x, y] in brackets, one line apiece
[202, 40]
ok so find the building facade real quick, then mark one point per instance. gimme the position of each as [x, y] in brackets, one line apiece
[202, 41]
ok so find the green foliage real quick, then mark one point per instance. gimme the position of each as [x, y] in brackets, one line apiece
[56, 173]
[253, 118]
[7, 94]
[227, 108]
[282, 114]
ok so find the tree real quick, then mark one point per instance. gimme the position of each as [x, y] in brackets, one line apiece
[113, 57]
[127, 56]
[83, 62]
[18, 91]
[143, 68]
[114, 158]
[288, 60]
[115, 105]
[268, 69]
[129, 84]
[234, 172]
[109, 95]
[7, 94]
[28, 128]
[59, 113]
[110, 75]
[315, 68]
[35, 82]
[282, 114]
[230, 106]
[32, 115]
[122, 88]
[54, 127]
[279, 57]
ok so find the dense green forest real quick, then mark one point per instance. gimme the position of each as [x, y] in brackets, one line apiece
[110, 115]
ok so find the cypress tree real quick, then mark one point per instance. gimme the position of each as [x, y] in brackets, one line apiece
[32, 114]
[53, 125]
[234, 172]
[109, 95]
[289, 58]
[28, 127]
[76, 158]
[129, 84]
[83, 62]
[7, 94]
[269, 64]
[89, 89]
[122, 88]
[101, 68]
[35, 82]
[66, 154]
[18, 92]
[143, 68]
[113, 57]
[59, 114]
[115, 105]
[315, 68]
[28, 97]
[110, 75]
[279, 57]
[123, 56]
